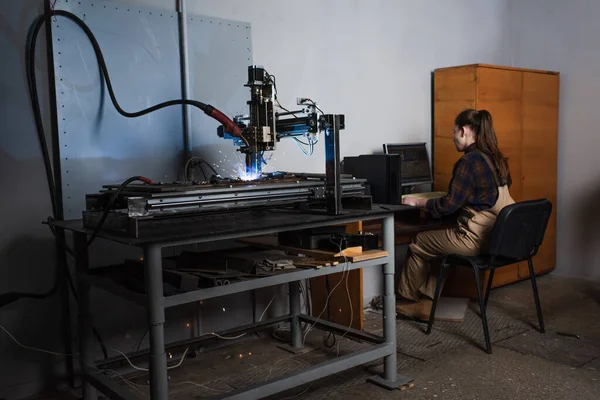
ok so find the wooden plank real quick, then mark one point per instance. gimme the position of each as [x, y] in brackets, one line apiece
[500, 92]
[270, 242]
[454, 90]
[368, 255]
[344, 311]
[498, 85]
[445, 156]
[503, 67]
[349, 252]
[539, 156]
[444, 115]
[457, 84]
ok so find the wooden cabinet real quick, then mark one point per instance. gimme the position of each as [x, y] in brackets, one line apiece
[524, 107]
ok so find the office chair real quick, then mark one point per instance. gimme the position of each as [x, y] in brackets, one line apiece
[516, 236]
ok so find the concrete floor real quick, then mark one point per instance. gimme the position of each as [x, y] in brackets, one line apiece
[525, 364]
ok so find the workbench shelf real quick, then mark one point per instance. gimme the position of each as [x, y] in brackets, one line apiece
[249, 224]
[107, 283]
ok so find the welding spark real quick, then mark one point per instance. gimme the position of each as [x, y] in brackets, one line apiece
[246, 175]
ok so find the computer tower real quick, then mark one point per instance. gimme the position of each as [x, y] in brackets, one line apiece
[382, 172]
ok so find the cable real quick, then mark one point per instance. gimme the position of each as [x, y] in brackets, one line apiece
[316, 106]
[228, 124]
[185, 169]
[146, 369]
[32, 348]
[326, 301]
[331, 334]
[268, 305]
[139, 343]
[133, 385]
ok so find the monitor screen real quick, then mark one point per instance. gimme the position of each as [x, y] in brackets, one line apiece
[414, 160]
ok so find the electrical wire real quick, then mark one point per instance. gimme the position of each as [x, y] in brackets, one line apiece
[199, 164]
[268, 305]
[32, 348]
[131, 384]
[208, 109]
[139, 342]
[146, 369]
[349, 299]
[298, 142]
[326, 301]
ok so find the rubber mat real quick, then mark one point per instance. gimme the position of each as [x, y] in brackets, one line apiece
[500, 327]
[412, 340]
[323, 353]
[550, 346]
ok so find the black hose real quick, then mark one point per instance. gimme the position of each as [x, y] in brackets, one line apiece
[7, 298]
[101, 65]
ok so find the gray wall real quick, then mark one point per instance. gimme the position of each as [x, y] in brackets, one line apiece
[564, 36]
[370, 60]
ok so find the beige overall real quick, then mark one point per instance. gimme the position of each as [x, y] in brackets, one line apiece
[469, 238]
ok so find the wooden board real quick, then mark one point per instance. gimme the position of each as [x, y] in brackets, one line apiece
[499, 92]
[345, 301]
[351, 254]
[504, 67]
[453, 91]
[539, 156]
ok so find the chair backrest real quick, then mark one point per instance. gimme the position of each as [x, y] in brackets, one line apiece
[519, 229]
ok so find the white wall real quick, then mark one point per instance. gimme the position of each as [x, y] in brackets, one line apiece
[564, 36]
[370, 60]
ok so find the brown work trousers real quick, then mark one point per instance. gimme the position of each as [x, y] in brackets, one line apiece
[469, 238]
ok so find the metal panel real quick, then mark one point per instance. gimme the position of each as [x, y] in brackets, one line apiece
[220, 52]
[97, 144]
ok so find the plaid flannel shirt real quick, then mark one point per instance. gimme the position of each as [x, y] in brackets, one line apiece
[472, 184]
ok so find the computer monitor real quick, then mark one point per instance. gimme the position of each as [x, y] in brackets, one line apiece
[415, 169]
[382, 172]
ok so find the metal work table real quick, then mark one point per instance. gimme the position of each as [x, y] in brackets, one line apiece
[233, 225]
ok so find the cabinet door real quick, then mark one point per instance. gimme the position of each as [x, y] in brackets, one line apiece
[500, 92]
[539, 155]
[453, 91]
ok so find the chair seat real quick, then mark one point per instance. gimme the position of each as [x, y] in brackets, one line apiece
[482, 261]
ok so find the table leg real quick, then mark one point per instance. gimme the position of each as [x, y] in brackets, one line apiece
[296, 347]
[296, 332]
[390, 379]
[159, 388]
[66, 328]
[84, 316]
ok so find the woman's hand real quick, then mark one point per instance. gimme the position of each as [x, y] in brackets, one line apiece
[414, 201]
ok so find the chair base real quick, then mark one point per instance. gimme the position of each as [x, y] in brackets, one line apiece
[483, 301]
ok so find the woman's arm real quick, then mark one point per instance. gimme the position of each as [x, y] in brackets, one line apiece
[461, 186]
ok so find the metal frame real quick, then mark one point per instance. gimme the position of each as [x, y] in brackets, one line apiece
[156, 303]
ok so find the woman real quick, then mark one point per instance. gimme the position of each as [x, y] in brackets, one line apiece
[478, 190]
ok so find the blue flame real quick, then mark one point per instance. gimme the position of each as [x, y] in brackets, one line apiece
[246, 174]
